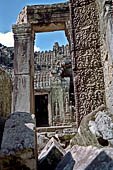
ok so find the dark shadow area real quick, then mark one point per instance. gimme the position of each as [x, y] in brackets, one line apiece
[66, 163]
[2, 123]
[102, 141]
[101, 162]
[50, 160]
[12, 163]
[41, 110]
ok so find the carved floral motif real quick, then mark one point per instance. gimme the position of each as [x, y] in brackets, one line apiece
[86, 57]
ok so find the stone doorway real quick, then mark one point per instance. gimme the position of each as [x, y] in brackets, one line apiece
[41, 110]
[55, 82]
[57, 19]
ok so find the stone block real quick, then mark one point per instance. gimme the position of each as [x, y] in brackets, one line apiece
[42, 140]
[87, 158]
[21, 93]
[17, 148]
[66, 163]
[17, 134]
[50, 155]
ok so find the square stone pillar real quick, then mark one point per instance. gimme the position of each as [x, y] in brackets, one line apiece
[86, 57]
[23, 88]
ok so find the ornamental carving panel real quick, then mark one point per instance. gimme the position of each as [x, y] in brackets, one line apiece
[86, 57]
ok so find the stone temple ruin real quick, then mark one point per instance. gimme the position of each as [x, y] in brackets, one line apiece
[53, 87]
[72, 85]
[84, 34]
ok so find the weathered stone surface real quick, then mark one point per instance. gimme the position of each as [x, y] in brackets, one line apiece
[23, 48]
[86, 57]
[87, 158]
[18, 142]
[2, 123]
[102, 126]
[50, 155]
[105, 9]
[23, 91]
[17, 135]
[55, 16]
[42, 141]
[87, 32]
[5, 94]
[84, 136]
[66, 163]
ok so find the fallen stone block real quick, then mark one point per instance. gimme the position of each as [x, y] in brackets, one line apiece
[66, 163]
[87, 158]
[51, 155]
[42, 141]
[17, 148]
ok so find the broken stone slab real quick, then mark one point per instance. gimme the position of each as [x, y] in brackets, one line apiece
[51, 155]
[18, 133]
[66, 163]
[18, 141]
[91, 134]
[87, 158]
[42, 140]
[102, 126]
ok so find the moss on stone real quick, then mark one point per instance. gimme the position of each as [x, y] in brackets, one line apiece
[5, 94]
[18, 161]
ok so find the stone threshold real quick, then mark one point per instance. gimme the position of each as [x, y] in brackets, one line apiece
[55, 128]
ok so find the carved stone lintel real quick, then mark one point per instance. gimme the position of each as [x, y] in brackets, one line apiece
[21, 28]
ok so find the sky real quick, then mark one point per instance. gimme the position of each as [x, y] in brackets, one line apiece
[9, 11]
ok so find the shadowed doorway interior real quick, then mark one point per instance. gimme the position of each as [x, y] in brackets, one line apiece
[41, 110]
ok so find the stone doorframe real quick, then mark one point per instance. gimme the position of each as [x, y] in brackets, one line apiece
[32, 19]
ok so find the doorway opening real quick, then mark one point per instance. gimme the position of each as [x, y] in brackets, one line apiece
[41, 110]
[45, 40]
[53, 74]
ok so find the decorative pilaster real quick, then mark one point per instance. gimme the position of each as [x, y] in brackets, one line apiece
[86, 57]
[23, 90]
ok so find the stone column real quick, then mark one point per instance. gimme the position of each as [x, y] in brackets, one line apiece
[86, 57]
[23, 89]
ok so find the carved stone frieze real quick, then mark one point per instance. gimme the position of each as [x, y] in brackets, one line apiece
[85, 16]
[87, 38]
[86, 57]
[85, 79]
[81, 3]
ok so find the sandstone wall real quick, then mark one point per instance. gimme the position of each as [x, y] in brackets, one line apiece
[5, 94]
[86, 57]
[105, 9]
